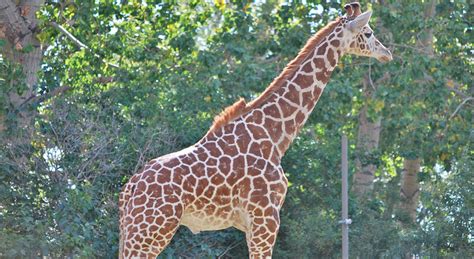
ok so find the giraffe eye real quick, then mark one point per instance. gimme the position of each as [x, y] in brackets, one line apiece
[368, 34]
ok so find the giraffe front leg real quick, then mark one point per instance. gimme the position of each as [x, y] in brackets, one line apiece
[262, 234]
[264, 203]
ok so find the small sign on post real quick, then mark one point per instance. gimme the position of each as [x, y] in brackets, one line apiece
[345, 218]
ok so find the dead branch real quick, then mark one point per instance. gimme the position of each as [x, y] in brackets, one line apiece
[78, 43]
[459, 107]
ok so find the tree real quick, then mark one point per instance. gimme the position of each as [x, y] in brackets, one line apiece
[122, 83]
[410, 187]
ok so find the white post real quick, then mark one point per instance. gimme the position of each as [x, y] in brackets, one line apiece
[345, 218]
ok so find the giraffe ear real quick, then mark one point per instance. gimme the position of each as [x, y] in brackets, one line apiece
[360, 21]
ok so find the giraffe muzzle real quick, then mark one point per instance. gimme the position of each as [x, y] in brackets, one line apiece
[385, 56]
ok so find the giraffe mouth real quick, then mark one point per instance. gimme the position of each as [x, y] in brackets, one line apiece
[385, 59]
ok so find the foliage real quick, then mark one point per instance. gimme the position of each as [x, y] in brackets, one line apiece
[177, 66]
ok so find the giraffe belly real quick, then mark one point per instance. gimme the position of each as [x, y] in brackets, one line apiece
[199, 221]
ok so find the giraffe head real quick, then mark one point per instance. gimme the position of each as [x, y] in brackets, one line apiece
[359, 38]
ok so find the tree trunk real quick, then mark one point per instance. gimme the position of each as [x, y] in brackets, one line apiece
[410, 188]
[18, 29]
[368, 135]
[425, 41]
[367, 145]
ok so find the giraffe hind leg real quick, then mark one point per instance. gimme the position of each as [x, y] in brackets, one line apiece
[124, 199]
[148, 229]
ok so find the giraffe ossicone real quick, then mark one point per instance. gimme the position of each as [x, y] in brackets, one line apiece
[232, 177]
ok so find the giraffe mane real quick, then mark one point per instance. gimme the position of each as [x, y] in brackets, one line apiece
[228, 114]
[241, 107]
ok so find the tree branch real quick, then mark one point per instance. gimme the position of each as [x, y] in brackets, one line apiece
[55, 92]
[36, 99]
[78, 43]
[70, 36]
[418, 49]
[459, 107]
[230, 247]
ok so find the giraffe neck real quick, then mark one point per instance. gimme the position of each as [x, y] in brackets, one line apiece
[286, 110]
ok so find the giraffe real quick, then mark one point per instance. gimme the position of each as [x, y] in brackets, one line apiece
[232, 177]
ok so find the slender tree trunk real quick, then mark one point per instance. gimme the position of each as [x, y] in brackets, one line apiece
[409, 185]
[425, 41]
[367, 146]
[368, 135]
